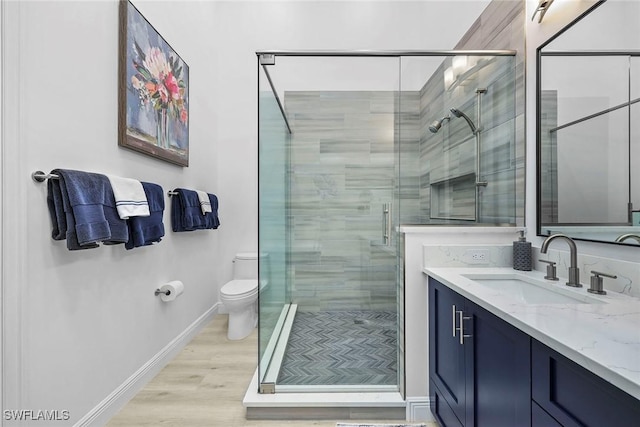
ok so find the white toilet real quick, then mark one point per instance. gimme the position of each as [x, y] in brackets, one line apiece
[240, 296]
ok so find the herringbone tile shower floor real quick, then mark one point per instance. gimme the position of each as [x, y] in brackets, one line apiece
[341, 348]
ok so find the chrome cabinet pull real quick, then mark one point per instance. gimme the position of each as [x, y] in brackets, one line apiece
[453, 320]
[461, 329]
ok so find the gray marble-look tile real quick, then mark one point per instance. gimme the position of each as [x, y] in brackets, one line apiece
[342, 170]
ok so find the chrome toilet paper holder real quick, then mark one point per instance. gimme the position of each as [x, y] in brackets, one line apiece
[169, 291]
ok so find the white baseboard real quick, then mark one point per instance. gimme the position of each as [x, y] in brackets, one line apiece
[419, 409]
[111, 405]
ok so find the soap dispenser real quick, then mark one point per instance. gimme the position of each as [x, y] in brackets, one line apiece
[522, 253]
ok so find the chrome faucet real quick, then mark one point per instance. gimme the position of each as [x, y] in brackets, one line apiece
[624, 237]
[574, 271]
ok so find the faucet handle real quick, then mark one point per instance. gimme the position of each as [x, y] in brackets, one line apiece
[597, 281]
[551, 270]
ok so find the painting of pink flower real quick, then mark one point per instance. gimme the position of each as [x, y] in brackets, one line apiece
[154, 91]
[171, 84]
[156, 82]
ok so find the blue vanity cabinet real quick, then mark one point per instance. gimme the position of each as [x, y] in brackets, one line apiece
[479, 365]
[447, 371]
[574, 396]
[540, 418]
[500, 375]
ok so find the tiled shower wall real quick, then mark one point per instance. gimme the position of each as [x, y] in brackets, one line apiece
[342, 167]
[502, 26]
[341, 173]
[448, 157]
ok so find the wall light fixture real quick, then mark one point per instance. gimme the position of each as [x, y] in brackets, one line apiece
[542, 8]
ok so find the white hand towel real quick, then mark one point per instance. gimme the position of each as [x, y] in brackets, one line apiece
[205, 203]
[130, 197]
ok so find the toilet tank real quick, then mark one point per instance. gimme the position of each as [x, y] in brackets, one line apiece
[245, 265]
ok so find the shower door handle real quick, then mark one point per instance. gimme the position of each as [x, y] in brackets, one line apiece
[386, 224]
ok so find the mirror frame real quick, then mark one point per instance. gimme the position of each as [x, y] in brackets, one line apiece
[539, 126]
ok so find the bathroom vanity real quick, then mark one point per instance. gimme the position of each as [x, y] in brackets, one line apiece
[534, 355]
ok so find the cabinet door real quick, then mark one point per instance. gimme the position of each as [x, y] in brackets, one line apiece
[446, 354]
[575, 396]
[498, 371]
[539, 418]
[441, 409]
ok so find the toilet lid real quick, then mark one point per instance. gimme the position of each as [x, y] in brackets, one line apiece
[240, 287]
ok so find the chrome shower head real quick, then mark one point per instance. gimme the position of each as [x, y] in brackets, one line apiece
[459, 113]
[435, 126]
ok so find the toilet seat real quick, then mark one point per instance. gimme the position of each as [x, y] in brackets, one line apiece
[237, 289]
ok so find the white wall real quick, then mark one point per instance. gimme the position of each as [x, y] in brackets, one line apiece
[79, 324]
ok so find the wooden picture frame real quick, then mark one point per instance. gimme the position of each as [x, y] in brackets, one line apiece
[153, 97]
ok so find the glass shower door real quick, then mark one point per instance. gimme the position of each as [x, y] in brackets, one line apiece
[328, 221]
[343, 261]
[273, 297]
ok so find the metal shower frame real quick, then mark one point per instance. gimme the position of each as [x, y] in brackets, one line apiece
[268, 57]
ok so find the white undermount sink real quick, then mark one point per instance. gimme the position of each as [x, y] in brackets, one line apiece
[530, 290]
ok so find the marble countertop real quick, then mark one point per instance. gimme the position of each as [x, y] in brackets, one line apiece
[603, 338]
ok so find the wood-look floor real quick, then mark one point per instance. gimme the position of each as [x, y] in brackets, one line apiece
[203, 386]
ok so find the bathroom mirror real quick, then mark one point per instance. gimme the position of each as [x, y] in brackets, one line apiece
[588, 127]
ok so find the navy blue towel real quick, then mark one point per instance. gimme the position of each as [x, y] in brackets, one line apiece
[83, 211]
[146, 230]
[186, 213]
[212, 217]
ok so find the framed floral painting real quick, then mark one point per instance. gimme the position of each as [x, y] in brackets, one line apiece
[153, 115]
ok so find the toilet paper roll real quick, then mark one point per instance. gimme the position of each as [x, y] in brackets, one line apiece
[172, 290]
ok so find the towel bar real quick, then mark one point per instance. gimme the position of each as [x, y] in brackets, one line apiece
[39, 176]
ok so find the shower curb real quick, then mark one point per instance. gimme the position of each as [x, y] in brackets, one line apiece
[317, 406]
